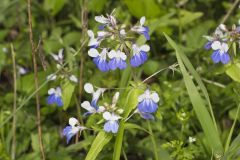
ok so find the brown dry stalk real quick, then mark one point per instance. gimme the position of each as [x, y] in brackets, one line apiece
[36, 80]
[13, 150]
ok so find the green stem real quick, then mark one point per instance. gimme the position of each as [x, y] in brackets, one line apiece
[153, 141]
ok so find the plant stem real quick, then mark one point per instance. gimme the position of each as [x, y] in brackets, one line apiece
[229, 11]
[153, 141]
[35, 80]
[13, 154]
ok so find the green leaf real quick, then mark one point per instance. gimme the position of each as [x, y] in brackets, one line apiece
[68, 88]
[54, 6]
[139, 8]
[234, 72]
[199, 107]
[134, 126]
[99, 142]
[96, 5]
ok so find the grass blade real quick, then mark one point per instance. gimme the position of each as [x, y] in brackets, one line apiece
[199, 107]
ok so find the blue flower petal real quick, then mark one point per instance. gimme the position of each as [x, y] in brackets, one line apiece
[51, 99]
[135, 61]
[59, 101]
[101, 27]
[101, 64]
[225, 58]
[146, 33]
[111, 126]
[147, 106]
[112, 64]
[216, 56]
[122, 64]
[208, 45]
[143, 56]
[67, 132]
[146, 115]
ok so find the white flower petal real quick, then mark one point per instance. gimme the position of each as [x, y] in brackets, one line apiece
[90, 33]
[55, 57]
[107, 116]
[142, 20]
[58, 91]
[93, 52]
[101, 109]
[73, 78]
[216, 45]
[51, 91]
[123, 56]
[141, 97]
[60, 54]
[88, 87]
[115, 98]
[73, 121]
[122, 32]
[155, 97]
[101, 19]
[145, 48]
[225, 47]
[115, 117]
[51, 77]
[112, 54]
[86, 105]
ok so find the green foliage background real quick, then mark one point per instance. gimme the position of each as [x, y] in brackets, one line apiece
[58, 23]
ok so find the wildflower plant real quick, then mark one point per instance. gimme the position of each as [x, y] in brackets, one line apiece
[125, 50]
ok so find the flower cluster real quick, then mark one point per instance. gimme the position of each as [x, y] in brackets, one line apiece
[111, 113]
[112, 58]
[220, 41]
[55, 94]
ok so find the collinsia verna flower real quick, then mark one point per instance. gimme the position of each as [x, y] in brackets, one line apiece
[220, 52]
[117, 60]
[111, 124]
[100, 59]
[91, 109]
[55, 96]
[147, 104]
[93, 42]
[88, 87]
[142, 29]
[72, 129]
[139, 55]
[117, 57]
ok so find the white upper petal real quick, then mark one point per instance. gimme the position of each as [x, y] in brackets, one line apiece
[93, 52]
[112, 54]
[60, 54]
[90, 33]
[142, 20]
[101, 109]
[135, 49]
[122, 55]
[101, 19]
[73, 121]
[107, 116]
[51, 91]
[225, 47]
[55, 57]
[115, 98]
[86, 105]
[216, 45]
[141, 97]
[73, 78]
[115, 117]
[58, 91]
[145, 48]
[155, 97]
[88, 87]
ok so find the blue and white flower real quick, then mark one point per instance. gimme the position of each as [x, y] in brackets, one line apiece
[103, 34]
[91, 109]
[117, 60]
[72, 129]
[100, 59]
[93, 42]
[88, 87]
[111, 124]
[142, 29]
[109, 21]
[220, 52]
[55, 96]
[147, 104]
[58, 57]
[139, 55]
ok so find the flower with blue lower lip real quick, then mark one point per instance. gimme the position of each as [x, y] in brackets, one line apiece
[88, 87]
[99, 59]
[93, 42]
[118, 60]
[72, 129]
[139, 55]
[109, 21]
[55, 96]
[111, 124]
[91, 109]
[142, 29]
[220, 52]
[147, 104]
